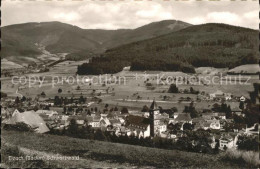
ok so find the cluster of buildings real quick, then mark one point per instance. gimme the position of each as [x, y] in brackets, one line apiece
[153, 123]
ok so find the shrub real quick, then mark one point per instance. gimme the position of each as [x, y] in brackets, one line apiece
[173, 89]
[251, 158]
[20, 126]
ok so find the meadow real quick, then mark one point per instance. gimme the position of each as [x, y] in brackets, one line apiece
[96, 154]
[132, 92]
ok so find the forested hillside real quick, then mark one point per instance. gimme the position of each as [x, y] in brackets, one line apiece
[26, 41]
[216, 45]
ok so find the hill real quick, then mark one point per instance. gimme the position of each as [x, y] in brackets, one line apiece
[27, 42]
[249, 69]
[99, 154]
[148, 31]
[214, 45]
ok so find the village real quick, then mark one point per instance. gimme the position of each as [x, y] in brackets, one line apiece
[223, 124]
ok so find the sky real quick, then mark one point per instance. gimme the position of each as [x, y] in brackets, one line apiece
[129, 14]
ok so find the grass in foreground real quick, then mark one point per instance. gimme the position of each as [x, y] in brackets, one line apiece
[105, 154]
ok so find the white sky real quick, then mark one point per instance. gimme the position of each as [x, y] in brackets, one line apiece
[129, 13]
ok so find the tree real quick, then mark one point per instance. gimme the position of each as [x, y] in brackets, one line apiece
[3, 95]
[241, 105]
[216, 148]
[64, 110]
[254, 94]
[124, 110]
[73, 128]
[17, 100]
[187, 126]
[43, 94]
[174, 109]
[173, 89]
[59, 90]
[194, 113]
[116, 109]
[99, 135]
[228, 112]
[82, 99]
[23, 99]
[57, 100]
[191, 90]
[248, 142]
[145, 108]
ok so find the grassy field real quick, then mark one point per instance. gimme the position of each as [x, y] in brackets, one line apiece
[104, 154]
[123, 94]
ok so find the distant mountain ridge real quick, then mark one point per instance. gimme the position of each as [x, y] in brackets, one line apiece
[20, 43]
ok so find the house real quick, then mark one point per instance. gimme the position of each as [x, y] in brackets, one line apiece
[104, 122]
[242, 98]
[138, 126]
[211, 140]
[198, 123]
[160, 123]
[162, 127]
[237, 111]
[222, 122]
[221, 116]
[252, 130]
[18, 111]
[214, 124]
[227, 96]
[7, 112]
[50, 113]
[208, 116]
[115, 122]
[175, 115]
[94, 121]
[122, 131]
[217, 94]
[183, 118]
[80, 120]
[33, 120]
[226, 141]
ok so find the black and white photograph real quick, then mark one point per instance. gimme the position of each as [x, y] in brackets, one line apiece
[130, 84]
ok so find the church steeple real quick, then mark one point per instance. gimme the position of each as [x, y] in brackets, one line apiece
[153, 108]
[153, 105]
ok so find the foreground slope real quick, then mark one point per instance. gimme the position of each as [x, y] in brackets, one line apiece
[104, 154]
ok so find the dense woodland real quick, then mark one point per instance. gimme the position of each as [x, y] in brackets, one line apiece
[216, 45]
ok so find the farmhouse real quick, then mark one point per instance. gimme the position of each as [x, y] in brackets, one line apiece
[33, 120]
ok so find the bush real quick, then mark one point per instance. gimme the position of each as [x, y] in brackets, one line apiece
[248, 143]
[251, 158]
[20, 126]
[173, 89]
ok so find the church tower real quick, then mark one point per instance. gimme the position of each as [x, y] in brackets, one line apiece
[153, 110]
